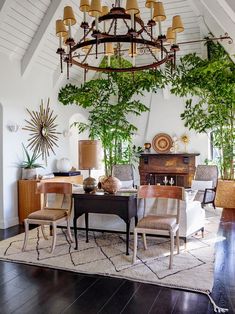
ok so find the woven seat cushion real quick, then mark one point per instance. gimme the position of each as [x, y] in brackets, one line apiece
[157, 222]
[48, 214]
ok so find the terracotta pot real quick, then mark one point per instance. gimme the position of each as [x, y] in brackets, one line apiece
[225, 194]
[111, 185]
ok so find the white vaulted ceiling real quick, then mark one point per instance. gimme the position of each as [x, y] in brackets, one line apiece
[27, 29]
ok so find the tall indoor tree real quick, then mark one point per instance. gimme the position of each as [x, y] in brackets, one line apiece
[109, 100]
[210, 84]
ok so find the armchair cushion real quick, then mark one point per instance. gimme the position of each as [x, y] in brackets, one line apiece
[201, 185]
[127, 184]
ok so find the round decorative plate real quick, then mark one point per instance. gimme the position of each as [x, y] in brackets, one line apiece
[162, 143]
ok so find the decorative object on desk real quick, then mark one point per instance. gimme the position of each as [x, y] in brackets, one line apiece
[185, 140]
[147, 147]
[111, 185]
[63, 165]
[162, 143]
[89, 152]
[29, 165]
[42, 128]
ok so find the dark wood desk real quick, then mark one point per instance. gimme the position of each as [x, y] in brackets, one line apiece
[123, 205]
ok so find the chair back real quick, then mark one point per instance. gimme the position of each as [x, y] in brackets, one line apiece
[155, 192]
[125, 173]
[207, 173]
[56, 195]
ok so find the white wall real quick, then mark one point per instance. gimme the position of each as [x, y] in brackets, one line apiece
[17, 94]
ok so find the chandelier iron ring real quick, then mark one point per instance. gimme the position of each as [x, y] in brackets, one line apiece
[120, 39]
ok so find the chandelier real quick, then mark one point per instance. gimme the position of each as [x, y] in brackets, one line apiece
[118, 32]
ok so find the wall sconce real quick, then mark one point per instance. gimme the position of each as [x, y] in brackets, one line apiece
[13, 127]
[67, 133]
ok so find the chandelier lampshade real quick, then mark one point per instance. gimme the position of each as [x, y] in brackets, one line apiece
[109, 51]
[105, 10]
[60, 29]
[95, 8]
[69, 18]
[132, 7]
[84, 5]
[159, 12]
[150, 3]
[177, 25]
[170, 35]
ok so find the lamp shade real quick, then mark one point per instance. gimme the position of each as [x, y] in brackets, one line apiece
[84, 5]
[177, 25]
[95, 8]
[132, 7]
[69, 18]
[105, 10]
[149, 3]
[60, 29]
[89, 154]
[159, 12]
[170, 35]
[109, 51]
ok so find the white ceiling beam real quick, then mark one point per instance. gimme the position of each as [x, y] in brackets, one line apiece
[40, 36]
[4, 7]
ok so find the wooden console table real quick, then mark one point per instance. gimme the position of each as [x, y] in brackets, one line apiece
[122, 204]
[154, 167]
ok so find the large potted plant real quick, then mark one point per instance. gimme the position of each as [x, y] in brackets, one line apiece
[212, 81]
[29, 165]
[109, 100]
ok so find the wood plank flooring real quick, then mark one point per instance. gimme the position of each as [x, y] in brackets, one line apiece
[34, 290]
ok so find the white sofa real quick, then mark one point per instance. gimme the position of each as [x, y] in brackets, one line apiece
[192, 215]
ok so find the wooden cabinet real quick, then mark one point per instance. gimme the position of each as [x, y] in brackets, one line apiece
[29, 201]
[154, 167]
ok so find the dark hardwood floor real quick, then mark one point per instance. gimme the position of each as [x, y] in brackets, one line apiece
[29, 289]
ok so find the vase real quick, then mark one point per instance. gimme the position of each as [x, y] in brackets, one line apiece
[63, 165]
[29, 174]
[111, 185]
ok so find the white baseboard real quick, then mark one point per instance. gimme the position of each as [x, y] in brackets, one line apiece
[4, 224]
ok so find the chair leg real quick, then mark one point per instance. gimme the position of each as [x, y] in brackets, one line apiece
[26, 235]
[178, 241]
[43, 232]
[144, 240]
[135, 247]
[202, 232]
[172, 249]
[54, 236]
[69, 231]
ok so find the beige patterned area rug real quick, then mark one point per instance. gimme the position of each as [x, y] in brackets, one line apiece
[105, 255]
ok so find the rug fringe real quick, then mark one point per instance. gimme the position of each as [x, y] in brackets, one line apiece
[217, 309]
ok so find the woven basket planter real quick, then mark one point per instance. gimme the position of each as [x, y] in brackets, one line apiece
[225, 194]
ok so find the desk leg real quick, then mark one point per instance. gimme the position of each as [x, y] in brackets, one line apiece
[127, 236]
[75, 232]
[136, 220]
[86, 224]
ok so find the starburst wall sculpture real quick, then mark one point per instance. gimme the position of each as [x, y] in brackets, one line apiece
[42, 128]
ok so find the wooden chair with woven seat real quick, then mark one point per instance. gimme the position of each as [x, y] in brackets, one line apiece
[167, 221]
[56, 208]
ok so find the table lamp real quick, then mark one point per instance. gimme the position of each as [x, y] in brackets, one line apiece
[89, 158]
